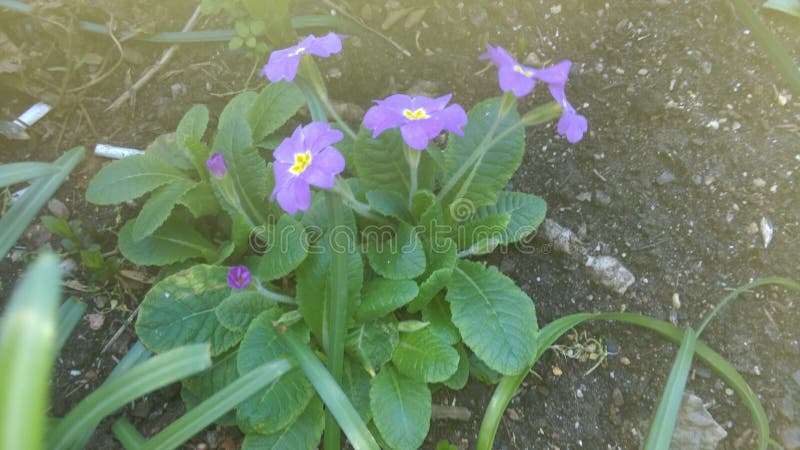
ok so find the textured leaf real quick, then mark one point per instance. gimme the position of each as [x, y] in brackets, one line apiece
[248, 171]
[199, 153]
[179, 310]
[527, 212]
[480, 182]
[401, 409]
[158, 207]
[437, 314]
[373, 343]
[22, 171]
[459, 379]
[286, 247]
[496, 319]
[200, 200]
[390, 204]
[380, 162]
[205, 384]
[175, 241]
[280, 404]
[380, 297]
[422, 356]
[237, 107]
[165, 149]
[481, 229]
[303, 434]
[129, 178]
[193, 124]
[442, 258]
[274, 105]
[240, 308]
[421, 202]
[400, 257]
[355, 384]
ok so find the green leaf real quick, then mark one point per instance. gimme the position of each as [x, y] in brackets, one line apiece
[481, 229]
[527, 213]
[459, 379]
[274, 105]
[240, 308]
[286, 248]
[401, 409]
[58, 226]
[200, 200]
[189, 136]
[247, 169]
[422, 356]
[280, 404]
[235, 43]
[442, 258]
[21, 213]
[355, 383]
[304, 433]
[496, 319]
[437, 314]
[399, 257]
[791, 7]
[381, 296]
[479, 182]
[18, 172]
[200, 387]
[165, 149]
[390, 204]
[373, 344]
[422, 201]
[27, 352]
[180, 310]
[380, 162]
[129, 178]
[173, 242]
[482, 372]
[158, 208]
[237, 107]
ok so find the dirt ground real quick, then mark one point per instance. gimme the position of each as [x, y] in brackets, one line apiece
[693, 149]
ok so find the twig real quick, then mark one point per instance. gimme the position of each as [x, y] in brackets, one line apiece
[367, 27]
[120, 330]
[110, 71]
[165, 57]
[448, 412]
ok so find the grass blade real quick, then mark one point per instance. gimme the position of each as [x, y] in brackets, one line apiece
[217, 405]
[662, 425]
[69, 314]
[17, 218]
[27, 343]
[18, 172]
[335, 399]
[127, 434]
[153, 374]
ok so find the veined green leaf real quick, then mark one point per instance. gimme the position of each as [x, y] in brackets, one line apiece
[274, 105]
[442, 258]
[173, 242]
[286, 247]
[240, 308]
[166, 150]
[190, 133]
[129, 178]
[381, 296]
[527, 212]
[459, 379]
[373, 343]
[478, 180]
[180, 309]
[481, 229]
[158, 207]
[237, 107]
[248, 171]
[390, 204]
[379, 161]
[422, 356]
[400, 257]
[281, 403]
[200, 387]
[355, 383]
[303, 434]
[200, 200]
[437, 314]
[496, 319]
[401, 408]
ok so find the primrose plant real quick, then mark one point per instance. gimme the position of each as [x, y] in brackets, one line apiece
[356, 245]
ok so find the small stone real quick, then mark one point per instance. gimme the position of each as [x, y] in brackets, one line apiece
[790, 438]
[666, 177]
[555, 9]
[625, 361]
[579, 393]
[759, 182]
[58, 208]
[513, 414]
[714, 124]
[602, 198]
[68, 266]
[643, 72]
[703, 372]
[796, 377]
[96, 321]
[695, 427]
[766, 231]
[751, 228]
[728, 391]
[616, 397]
[584, 197]
[557, 371]
[610, 272]
[75, 373]
[532, 59]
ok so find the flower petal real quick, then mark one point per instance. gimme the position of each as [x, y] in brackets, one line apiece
[379, 118]
[326, 45]
[556, 74]
[572, 125]
[290, 146]
[324, 168]
[513, 81]
[498, 55]
[453, 118]
[294, 195]
[415, 135]
[319, 135]
[281, 65]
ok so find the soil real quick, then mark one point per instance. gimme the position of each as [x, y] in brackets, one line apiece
[693, 143]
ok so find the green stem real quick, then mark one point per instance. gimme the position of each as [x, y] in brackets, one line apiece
[412, 158]
[362, 209]
[232, 197]
[274, 296]
[332, 111]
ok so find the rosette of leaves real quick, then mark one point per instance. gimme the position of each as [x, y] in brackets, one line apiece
[417, 311]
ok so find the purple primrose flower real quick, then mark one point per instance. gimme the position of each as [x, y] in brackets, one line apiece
[303, 159]
[571, 124]
[217, 166]
[238, 277]
[283, 63]
[420, 118]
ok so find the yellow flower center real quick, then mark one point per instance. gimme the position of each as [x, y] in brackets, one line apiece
[415, 115]
[527, 73]
[301, 162]
[298, 51]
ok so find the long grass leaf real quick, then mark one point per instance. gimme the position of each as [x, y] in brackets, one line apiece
[17, 218]
[27, 343]
[22, 171]
[662, 425]
[217, 405]
[153, 374]
[69, 314]
[335, 399]
[127, 434]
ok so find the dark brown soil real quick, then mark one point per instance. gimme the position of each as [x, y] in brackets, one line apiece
[690, 147]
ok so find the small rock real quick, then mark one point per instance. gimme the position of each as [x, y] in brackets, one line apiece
[58, 208]
[584, 197]
[562, 239]
[610, 272]
[625, 361]
[666, 177]
[751, 228]
[96, 321]
[602, 198]
[532, 59]
[714, 124]
[616, 397]
[703, 372]
[759, 182]
[38, 234]
[766, 231]
[790, 438]
[68, 266]
[796, 377]
[695, 427]
[643, 72]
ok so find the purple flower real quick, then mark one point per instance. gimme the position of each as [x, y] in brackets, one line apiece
[520, 79]
[217, 166]
[306, 158]
[238, 277]
[571, 124]
[283, 63]
[420, 118]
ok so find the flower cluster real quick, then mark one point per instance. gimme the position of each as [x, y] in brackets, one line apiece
[521, 80]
